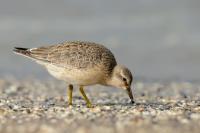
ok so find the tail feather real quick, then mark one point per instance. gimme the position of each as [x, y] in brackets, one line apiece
[28, 53]
[22, 51]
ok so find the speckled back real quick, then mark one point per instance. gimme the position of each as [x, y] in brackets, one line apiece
[76, 54]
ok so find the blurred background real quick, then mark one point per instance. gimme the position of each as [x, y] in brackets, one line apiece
[157, 39]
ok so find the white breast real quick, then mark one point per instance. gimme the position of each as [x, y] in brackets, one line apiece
[75, 76]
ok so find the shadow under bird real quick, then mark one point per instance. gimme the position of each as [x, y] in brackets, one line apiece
[81, 63]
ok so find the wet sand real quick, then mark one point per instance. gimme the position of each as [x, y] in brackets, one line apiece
[32, 106]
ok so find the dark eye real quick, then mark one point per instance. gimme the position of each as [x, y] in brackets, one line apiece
[124, 79]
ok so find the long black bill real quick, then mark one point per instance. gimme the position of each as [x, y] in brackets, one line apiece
[129, 92]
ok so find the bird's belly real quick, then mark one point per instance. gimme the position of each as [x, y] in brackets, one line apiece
[75, 76]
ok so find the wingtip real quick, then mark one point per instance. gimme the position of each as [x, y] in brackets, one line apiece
[15, 50]
[19, 50]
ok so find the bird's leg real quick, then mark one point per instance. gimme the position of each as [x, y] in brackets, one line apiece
[70, 89]
[89, 105]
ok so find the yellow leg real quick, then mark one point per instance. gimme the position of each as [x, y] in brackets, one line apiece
[89, 105]
[70, 89]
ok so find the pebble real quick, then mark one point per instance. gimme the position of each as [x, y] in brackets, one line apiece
[46, 110]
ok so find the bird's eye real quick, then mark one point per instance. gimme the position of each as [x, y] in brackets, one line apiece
[124, 79]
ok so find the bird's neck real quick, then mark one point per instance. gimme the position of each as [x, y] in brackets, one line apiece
[110, 81]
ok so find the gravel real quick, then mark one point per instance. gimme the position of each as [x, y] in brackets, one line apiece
[32, 106]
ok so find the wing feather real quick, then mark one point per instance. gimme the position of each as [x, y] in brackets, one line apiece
[74, 55]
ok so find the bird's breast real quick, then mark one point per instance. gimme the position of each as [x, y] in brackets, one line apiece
[83, 77]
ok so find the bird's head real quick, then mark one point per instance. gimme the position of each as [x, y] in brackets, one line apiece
[122, 78]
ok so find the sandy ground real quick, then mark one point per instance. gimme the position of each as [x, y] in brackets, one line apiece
[32, 106]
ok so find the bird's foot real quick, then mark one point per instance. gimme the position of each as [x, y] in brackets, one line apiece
[89, 105]
[132, 102]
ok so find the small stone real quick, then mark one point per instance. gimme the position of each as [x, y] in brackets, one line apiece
[2, 111]
[96, 109]
[28, 111]
[107, 108]
[195, 116]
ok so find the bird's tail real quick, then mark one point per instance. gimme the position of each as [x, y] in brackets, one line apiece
[22, 51]
[26, 52]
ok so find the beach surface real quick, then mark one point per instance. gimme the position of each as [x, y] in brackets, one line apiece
[33, 106]
[157, 40]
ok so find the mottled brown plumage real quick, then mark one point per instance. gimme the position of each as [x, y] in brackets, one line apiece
[81, 63]
[75, 55]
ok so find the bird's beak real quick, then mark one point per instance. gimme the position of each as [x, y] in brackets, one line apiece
[129, 92]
